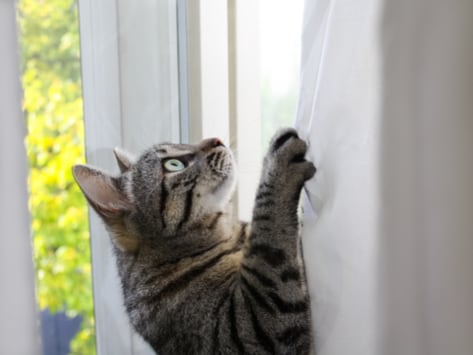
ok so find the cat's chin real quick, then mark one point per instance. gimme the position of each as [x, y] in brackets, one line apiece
[218, 198]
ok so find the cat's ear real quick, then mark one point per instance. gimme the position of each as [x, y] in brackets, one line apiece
[109, 202]
[124, 159]
[102, 192]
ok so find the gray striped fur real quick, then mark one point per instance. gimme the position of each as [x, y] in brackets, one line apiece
[194, 279]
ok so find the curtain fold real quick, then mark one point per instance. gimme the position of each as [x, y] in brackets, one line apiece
[18, 323]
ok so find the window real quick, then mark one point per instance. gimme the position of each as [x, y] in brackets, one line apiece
[49, 37]
[175, 70]
[280, 46]
[131, 88]
[242, 67]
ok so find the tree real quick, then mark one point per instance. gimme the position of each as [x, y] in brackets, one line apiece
[53, 105]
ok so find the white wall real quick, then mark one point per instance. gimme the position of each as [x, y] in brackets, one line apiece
[18, 321]
[426, 255]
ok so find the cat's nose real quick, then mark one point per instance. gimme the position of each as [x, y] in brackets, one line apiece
[216, 142]
[212, 143]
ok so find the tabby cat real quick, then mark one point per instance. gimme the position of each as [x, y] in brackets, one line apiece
[194, 279]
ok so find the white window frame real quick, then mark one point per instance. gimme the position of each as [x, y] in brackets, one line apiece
[130, 89]
[19, 331]
[223, 84]
[164, 70]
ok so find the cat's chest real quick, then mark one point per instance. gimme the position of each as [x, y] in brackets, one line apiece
[160, 316]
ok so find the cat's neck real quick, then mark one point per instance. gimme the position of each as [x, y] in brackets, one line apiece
[211, 230]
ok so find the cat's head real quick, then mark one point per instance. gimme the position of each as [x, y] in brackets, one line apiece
[167, 190]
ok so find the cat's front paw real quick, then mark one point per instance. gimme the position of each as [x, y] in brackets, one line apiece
[286, 157]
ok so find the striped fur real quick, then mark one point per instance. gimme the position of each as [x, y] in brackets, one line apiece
[195, 280]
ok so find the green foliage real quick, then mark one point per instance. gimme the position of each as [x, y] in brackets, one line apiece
[53, 105]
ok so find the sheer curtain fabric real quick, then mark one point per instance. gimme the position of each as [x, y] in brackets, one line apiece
[386, 106]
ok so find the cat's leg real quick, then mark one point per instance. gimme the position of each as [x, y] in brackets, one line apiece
[275, 224]
[272, 278]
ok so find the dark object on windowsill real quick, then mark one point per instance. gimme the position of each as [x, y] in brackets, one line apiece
[57, 331]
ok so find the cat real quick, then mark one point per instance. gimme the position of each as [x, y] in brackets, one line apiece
[195, 280]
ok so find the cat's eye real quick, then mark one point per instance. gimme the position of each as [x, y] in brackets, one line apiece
[173, 165]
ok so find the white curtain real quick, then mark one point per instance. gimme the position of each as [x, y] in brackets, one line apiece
[18, 324]
[338, 112]
[386, 102]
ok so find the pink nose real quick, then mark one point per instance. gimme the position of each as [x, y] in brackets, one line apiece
[211, 143]
[215, 142]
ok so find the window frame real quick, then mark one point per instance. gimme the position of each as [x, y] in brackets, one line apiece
[121, 102]
[195, 76]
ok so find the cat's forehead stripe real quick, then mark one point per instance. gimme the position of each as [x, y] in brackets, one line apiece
[172, 150]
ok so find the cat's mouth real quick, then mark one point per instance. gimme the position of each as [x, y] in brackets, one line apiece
[221, 164]
[218, 180]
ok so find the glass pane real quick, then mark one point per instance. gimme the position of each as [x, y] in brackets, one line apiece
[53, 104]
[280, 31]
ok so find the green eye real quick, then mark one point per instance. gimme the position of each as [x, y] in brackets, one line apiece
[173, 165]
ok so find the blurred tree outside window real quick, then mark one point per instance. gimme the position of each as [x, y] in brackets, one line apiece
[49, 37]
